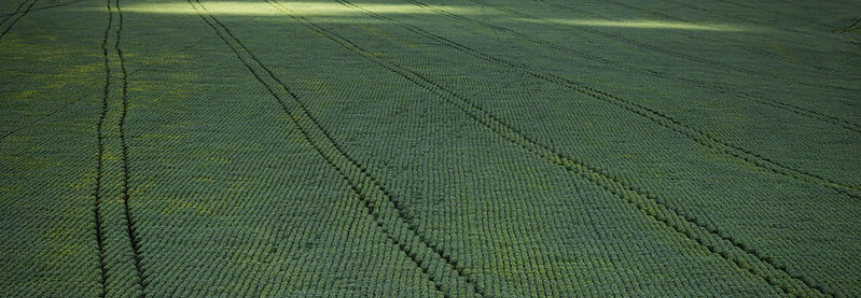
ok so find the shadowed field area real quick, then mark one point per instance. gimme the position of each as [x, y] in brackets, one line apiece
[417, 148]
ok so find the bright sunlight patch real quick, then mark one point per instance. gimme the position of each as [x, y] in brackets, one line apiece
[300, 8]
[642, 24]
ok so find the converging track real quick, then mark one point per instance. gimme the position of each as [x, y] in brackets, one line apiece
[408, 148]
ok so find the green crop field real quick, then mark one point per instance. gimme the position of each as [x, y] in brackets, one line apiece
[422, 148]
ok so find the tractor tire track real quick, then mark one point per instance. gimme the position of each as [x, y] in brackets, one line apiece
[19, 13]
[387, 212]
[100, 129]
[769, 102]
[122, 272]
[41, 8]
[704, 234]
[854, 27]
[611, 36]
[52, 6]
[750, 49]
[97, 196]
[131, 228]
[658, 49]
[6, 17]
[737, 18]
[776, 12]
[699, 136]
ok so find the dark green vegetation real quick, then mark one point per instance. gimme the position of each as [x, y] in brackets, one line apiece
[410, 148]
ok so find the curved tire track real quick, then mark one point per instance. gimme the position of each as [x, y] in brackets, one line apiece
[707, 236]
[120, 261]
[7, 17]
[769, 102]
[19, 13]
[387, 212]
[750, 49]
[695, 134]
[658, 49]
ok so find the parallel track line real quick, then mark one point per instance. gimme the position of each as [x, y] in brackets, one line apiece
[616, 64]
[718, 243]
[657, 49]
[131, 228]
[110, 132]
[15, 17]
[697, 135]
[387, 212]
[100, 128]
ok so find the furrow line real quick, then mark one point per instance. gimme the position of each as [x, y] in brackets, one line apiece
[15, 17]
[387, 212]
[705, 235]
[699, 136]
